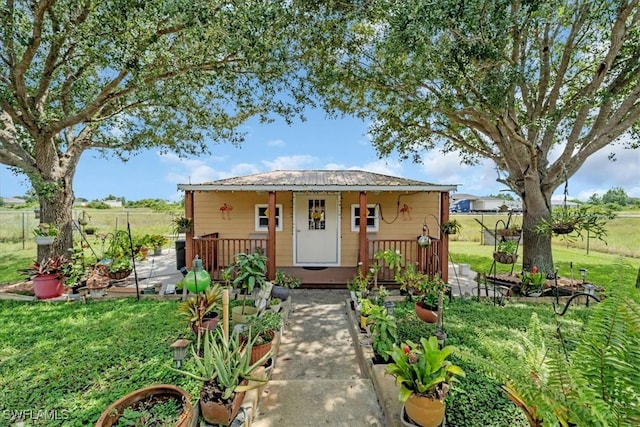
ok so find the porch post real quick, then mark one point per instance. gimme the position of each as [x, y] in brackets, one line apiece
[444, 241]
[188, 212]
[271, 236]
[364, 247]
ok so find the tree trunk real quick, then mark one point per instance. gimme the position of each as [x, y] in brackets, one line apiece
[536, 247]
[56, 209]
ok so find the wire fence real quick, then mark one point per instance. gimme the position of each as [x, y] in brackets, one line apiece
[16, 226]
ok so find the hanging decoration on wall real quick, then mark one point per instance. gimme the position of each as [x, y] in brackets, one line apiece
[406, 212]
[225, 210]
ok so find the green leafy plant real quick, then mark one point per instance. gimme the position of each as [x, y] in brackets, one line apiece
[532, 281]
[155, 240]
[575, 222]
[507, 246]
[423, 369]
[286, 280]
[120, 263]
[391, 258]
[451, 226]
[45, 229]
[359, 283]
[429, 289]
[369, 308]
[248, 271]
[182, 223]
[384, 333]
[263, 327]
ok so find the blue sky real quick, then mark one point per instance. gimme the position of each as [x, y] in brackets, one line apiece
[318, 143]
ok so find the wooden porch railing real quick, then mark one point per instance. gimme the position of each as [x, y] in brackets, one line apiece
[426, 259]
[217, 254]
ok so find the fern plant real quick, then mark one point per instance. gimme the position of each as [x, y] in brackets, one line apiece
[594, 384]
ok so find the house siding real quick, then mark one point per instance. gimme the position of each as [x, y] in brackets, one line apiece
[239, 223]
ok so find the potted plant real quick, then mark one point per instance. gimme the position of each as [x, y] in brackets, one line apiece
[157, 241]
[505, 252]
[225, 370]
[451, 226]
[48, 276]
[248, 272]
[120, 268]
[358, 287]
[182, 224]
[116, 261]
[384, 335]
[429, 290]
[533, 282]
[202, 310]
[89, 229]
[282, 283]
[161, 404]
[262, 330]
[565, 221]
[425, 376]
[45, 233]
[367, 309]
[275, 304]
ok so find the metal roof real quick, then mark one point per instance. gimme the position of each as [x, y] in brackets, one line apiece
[317, 180]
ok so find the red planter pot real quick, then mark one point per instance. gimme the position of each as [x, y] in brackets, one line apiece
[48, 286]
[426, 314]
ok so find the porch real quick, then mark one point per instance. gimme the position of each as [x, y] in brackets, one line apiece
[218, 253]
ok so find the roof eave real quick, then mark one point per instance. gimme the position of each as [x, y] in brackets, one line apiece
[315, 188]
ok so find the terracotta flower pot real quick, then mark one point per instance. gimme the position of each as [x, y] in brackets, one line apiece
[48, 286]
[258, 351]
[424, 411]
[426, 314]
[112, 414]
[215, 411]
[208, 323]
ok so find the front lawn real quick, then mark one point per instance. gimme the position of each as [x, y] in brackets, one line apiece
[71, 360]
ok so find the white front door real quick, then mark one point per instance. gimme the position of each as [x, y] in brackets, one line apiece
[316, 236]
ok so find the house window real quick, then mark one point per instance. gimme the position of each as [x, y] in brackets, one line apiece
[372, 217]
[262, 217]
[316, 214]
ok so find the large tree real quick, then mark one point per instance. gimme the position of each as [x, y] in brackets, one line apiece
[121, 76]
[536, 86]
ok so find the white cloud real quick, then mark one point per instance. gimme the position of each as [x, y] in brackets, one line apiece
[289, 162]
[334, 166]
[276, 143]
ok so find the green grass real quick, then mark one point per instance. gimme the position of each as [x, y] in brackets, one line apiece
[76, 359]
[602, 269]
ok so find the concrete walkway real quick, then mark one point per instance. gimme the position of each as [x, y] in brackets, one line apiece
[317, 379]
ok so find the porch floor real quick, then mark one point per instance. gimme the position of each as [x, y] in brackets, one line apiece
[330, 277]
